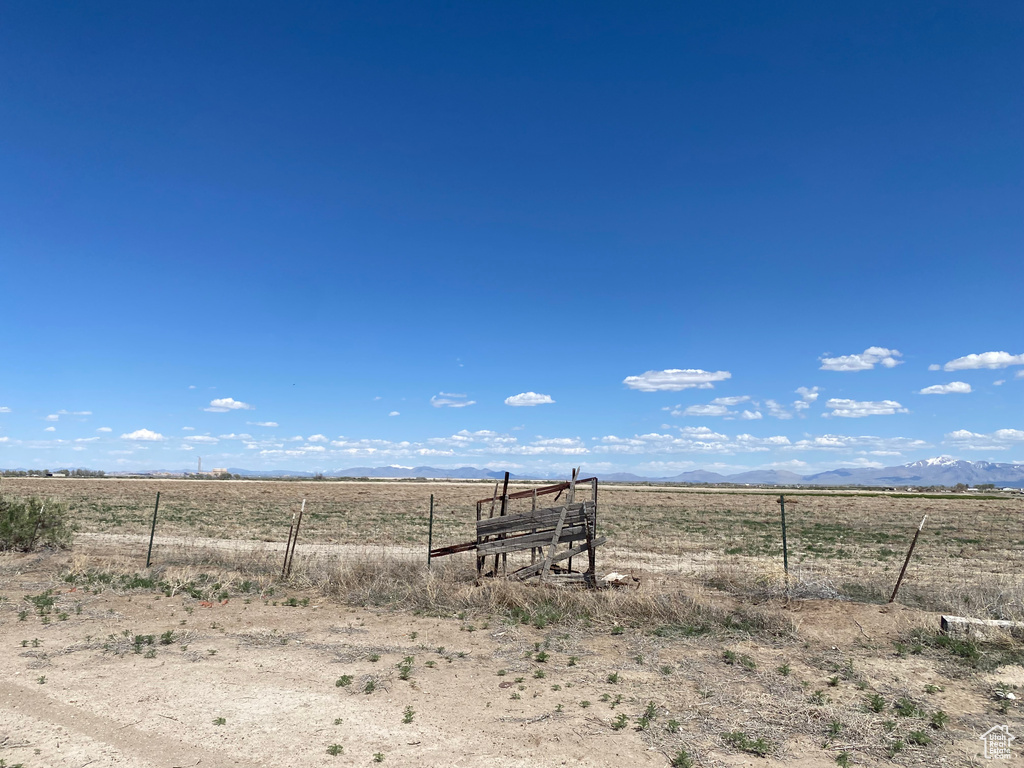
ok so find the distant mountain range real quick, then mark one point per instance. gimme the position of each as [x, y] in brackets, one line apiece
[943, 470]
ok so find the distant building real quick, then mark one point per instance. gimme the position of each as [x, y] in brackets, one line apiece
[219, 471]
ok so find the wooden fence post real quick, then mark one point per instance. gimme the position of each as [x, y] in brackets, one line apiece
[906, 562]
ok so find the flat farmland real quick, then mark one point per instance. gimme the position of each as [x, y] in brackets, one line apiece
[856, 542]
[362, 656]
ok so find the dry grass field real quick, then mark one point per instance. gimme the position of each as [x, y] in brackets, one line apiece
[363, 656]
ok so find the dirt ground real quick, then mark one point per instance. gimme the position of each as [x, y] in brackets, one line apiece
[132, 677]
[278, 673]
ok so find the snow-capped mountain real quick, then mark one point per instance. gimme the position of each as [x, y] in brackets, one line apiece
[942, 470]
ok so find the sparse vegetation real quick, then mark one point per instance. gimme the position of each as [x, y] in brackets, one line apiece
[670, 639]
[744, 743]
[28, 523]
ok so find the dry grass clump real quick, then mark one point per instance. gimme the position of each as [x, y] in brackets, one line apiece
[451, 590]
[984, 596]
[761, 580]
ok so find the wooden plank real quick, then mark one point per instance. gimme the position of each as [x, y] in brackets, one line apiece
[531, 570]
[504, 504]
[541, 491]
[526, 541]
[453, 549]
[554, 543]
[526, 520]
[479, 560]
[533, 518]
[573, 521]
[571, 498]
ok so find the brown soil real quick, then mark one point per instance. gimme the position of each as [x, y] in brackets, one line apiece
[76, 689]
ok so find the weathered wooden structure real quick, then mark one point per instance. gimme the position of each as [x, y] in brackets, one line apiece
[540, 530]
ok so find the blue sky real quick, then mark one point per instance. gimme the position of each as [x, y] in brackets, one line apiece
[319, 236]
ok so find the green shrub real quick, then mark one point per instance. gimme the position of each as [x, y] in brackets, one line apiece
[29, 523]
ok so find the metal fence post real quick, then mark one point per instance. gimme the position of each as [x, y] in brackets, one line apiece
[152, 531]
[430, 533]
[785, 548]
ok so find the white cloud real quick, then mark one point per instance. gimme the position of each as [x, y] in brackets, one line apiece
[186, 448]
[316, 439]
[1000, 440]
[730, 401]
[191, 386]
[751, 415]
[188, 429]
[50, 429]
[561, 446]
[4, 439]
[865, 443]
[984, 360]
[528, 398]
[1000, 382]
[705, 410]
[675, 380]
[74, 413]
[52, 417]
[450, 400]
[865, 361]
[954, 387]
[205, 439]
[86, 439]
[1019, 375]
[262, 423]
[225, 404]
[855, 409]
[143, 435]
[934, 367]
[233, 436]
[690, 440]
[808, 394]
[4, 409]
[104, 429]
[777, 410]
[394, 413]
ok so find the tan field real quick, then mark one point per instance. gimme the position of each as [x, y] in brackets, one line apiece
[712, 658]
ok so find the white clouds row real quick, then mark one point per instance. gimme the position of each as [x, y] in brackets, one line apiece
[864, 361]
[675, 380]
[482, 443]
[989, 360]
[461, 400]
[856, 409]
[528, 399]
[225, 404]
[720, 406]
[999, 440]
[451, 400]
[954, 387]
